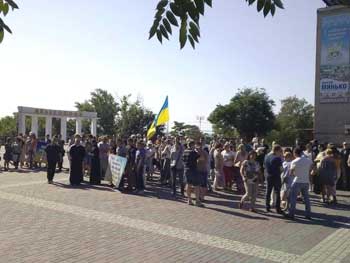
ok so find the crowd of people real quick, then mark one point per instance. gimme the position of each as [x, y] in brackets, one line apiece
[26, 151]
[195, 167]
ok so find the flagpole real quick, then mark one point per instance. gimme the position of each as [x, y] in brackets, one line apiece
[167, 128]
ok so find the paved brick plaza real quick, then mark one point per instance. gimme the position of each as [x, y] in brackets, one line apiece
[58, 223]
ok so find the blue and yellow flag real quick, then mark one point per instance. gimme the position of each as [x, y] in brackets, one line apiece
[163, 115]
[151, 131]
[160, 119]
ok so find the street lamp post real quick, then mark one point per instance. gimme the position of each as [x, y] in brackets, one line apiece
[200, 119]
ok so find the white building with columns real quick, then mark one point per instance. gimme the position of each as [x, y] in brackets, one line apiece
[35, 113]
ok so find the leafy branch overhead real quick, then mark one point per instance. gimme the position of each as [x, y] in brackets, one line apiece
[186, 14]
[5, 6]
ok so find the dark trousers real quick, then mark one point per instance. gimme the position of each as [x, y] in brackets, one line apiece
[165, 176]
[177, 173]
[273, 184]
[51, 167]
[140, 185]
[346, 178]
[161, 170]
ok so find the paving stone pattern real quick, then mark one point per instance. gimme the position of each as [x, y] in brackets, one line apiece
[58, 223]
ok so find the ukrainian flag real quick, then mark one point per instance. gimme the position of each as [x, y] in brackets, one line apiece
[160, 119]
[151, 131]
[163, 115]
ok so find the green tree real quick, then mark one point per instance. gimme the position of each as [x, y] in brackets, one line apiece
[249, 112]
[192, 131]
[85, 124]
[132, 118]
[186, 14]
[8, 126]
[70, 128]
[294, 121]
[5, 6]
[178, 128]
[107, 108]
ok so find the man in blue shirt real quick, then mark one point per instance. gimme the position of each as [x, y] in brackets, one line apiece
[273, 166]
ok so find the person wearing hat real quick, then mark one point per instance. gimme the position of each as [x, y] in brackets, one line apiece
[76, 155]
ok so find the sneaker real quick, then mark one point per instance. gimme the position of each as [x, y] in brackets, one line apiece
[268, 209]
[189, 202]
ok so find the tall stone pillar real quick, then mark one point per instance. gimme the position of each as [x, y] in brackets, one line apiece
[94, 127]
[21, 123]
[35, 125]
[48, 126]
[64, 128]
[78, 126]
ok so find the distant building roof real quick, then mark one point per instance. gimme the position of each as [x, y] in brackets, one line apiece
[336, 2]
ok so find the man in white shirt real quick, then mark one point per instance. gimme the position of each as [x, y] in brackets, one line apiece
[300, 168]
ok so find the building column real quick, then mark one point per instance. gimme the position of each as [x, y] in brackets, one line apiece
[64, 128]
[21, 123]
[78, 126]
[94, 127]
[48, 126]
[34, 128]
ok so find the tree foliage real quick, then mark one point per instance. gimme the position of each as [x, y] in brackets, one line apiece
[294, 121]
[185, 14]
[5, 6]
[249, 112]
[8, 126]
[192, 131]
[121, 117]
[132, 118]
[106, 107]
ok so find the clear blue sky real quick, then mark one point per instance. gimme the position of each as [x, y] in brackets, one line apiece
[62, 50]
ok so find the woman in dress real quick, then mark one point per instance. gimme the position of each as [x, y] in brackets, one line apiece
[250, 170]
[328, 175]
[229, 157]
[287, 179]
[76, 155]
[95, 175]
[219, 166]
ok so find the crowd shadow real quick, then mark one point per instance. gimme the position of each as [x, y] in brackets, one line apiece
[333, 221]
[85, 186]
[222, 201]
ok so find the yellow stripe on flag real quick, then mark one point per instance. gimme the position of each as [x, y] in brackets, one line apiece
[163, 117]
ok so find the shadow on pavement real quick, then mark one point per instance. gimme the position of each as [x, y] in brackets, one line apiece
[85, 186]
